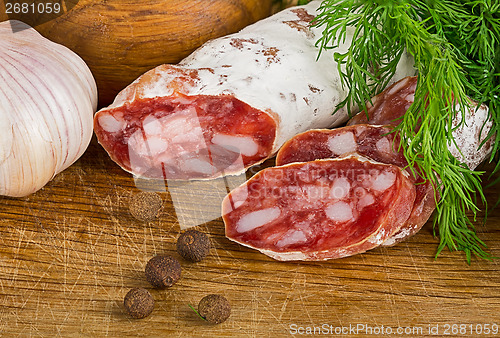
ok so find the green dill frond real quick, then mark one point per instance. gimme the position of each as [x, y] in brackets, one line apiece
[455, 45]
[366, 68]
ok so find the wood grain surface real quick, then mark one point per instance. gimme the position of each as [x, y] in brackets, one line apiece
[70, 253]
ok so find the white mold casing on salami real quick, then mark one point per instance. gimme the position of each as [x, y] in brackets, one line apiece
[269, 70]
[471, 134]
[319, 210]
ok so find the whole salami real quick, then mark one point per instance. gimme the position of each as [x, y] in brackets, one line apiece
[229, 105]
[319, 210]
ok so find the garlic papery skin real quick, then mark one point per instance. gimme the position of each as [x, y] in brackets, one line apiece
[48, 98]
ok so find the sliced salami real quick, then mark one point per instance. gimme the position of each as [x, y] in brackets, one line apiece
[183, 137]
[388, 107]
[374, 142]
[229, 105]
[319, 210]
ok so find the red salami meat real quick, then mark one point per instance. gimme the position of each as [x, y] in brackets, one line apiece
[388, 107]
[374, 142]
[319, 210]
[182, 137]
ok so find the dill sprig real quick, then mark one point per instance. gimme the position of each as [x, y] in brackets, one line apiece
[446, 39]
[473, 28]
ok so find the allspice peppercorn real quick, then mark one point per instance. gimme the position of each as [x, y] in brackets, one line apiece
[193, 245]
[139, 303]
[145, 206]
[163, 271]
[214, 308]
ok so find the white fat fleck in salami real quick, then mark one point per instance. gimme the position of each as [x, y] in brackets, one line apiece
[198, 166]
[152, 126]
[282, 218]
[341, 188]
[339, 212]
[383, 145]
[342, 144]
[257, 219]
[410, 98]
[156, 145]
[365, 200]
[244, 144]
[292, 237]
[111, 124]
[384, 181]
[249, 92]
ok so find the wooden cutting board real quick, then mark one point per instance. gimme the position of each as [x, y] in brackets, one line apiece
[70, 252]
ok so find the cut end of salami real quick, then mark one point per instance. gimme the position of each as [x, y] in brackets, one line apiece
[185, 137]
[319, 210]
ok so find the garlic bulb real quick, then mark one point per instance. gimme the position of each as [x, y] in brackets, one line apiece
[48, 97]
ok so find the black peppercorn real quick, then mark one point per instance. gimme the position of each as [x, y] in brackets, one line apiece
[163, 271]
[145, 206]
[214, 308]
[139, 303]
[193, 245]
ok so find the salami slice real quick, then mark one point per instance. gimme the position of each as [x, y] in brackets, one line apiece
[229, 105]
[374, 142]
[319, 210]
[388, 107]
